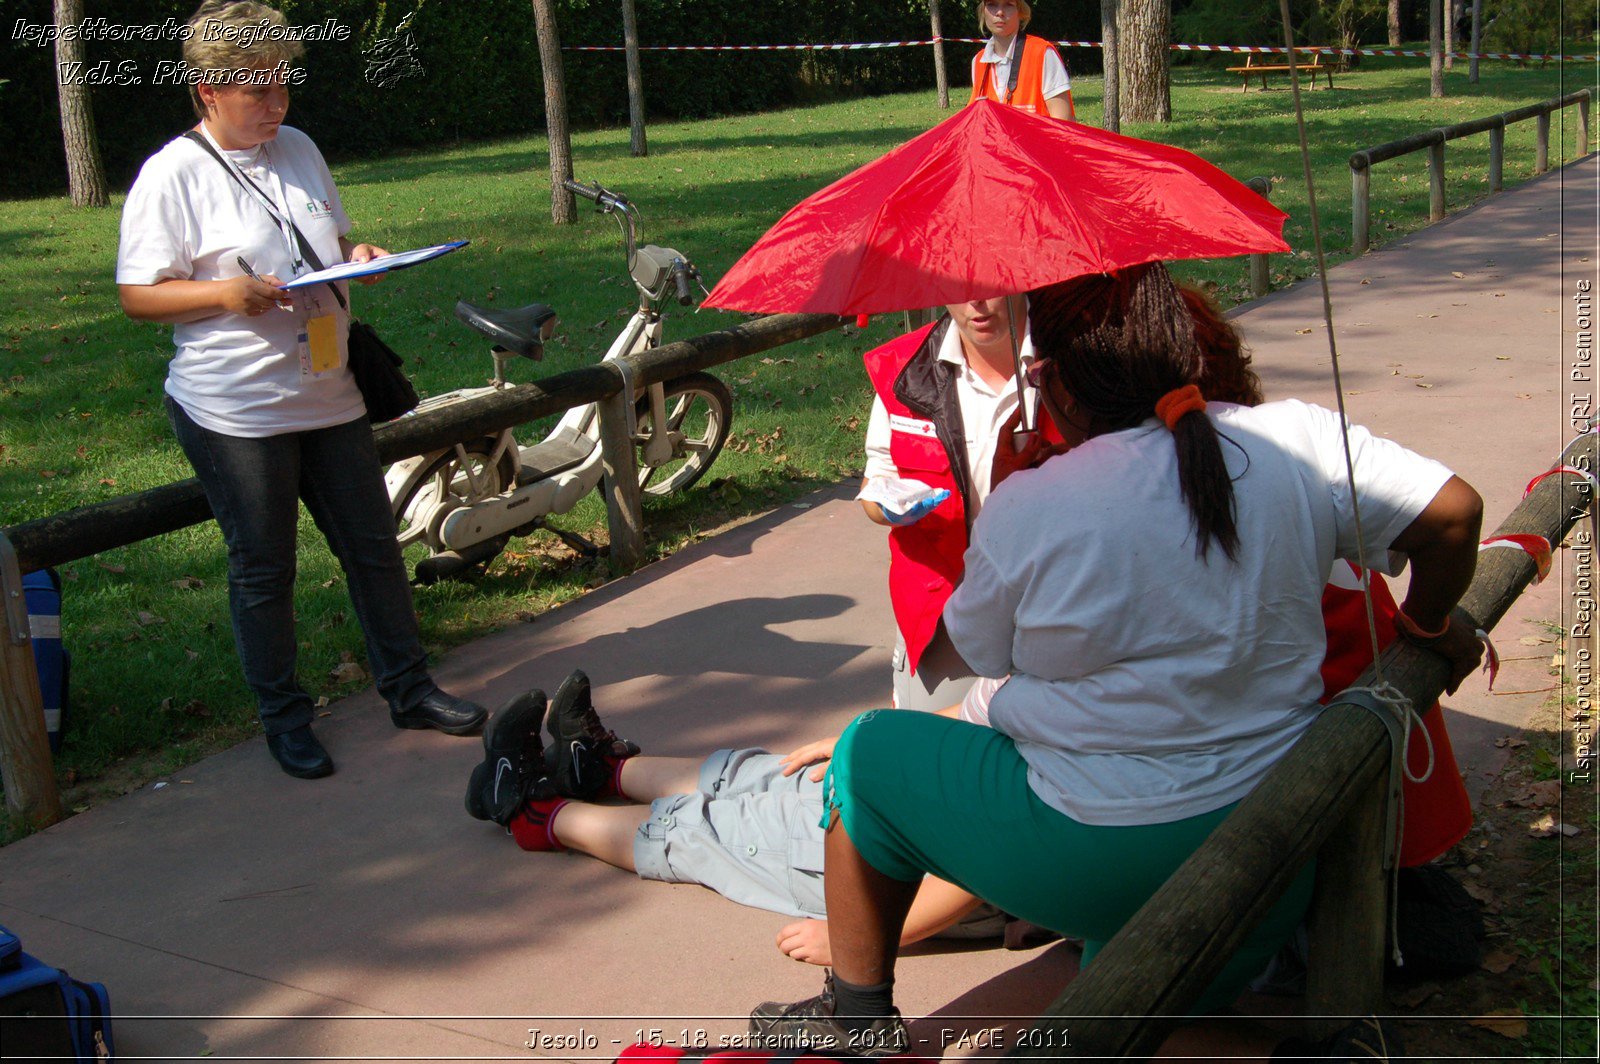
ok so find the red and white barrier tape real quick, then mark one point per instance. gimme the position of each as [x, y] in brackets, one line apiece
[1241, 49]
[1534, 546]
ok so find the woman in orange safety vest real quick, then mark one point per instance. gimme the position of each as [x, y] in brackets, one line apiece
[1039, 83]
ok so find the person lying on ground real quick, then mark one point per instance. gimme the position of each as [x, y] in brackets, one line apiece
[745, 823]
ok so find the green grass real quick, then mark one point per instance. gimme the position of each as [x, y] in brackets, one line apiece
[154, 666]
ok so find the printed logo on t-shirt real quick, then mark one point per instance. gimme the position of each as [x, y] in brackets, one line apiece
[912, 426]
[319, 208]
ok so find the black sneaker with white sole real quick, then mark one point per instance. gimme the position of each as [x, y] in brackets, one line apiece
[813, 1025]
[513, 759]
[583, 753]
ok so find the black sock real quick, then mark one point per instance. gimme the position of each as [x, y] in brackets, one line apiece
[855, 1007]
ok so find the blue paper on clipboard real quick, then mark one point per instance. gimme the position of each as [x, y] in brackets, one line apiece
[349, 270]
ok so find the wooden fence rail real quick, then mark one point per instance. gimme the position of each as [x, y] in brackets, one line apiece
[1434, 140]
[1325, 798]
[25, 766]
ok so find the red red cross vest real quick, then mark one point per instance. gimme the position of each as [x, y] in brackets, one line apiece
[926, 443]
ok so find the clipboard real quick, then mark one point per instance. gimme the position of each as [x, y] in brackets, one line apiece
[346, 271]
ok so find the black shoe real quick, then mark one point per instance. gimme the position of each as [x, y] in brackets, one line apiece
[582, 755]
[447, 713]
[811, 1024]
[512, 753]
[299, 753]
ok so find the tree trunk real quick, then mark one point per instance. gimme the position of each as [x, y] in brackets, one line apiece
[1394, 23]
[86, 175]
[1142, 53]
[1112, 117]
[940, 77]
[630, 43]
[563, 209]
[1477, 40]
[1435, 58]
[1449, 34]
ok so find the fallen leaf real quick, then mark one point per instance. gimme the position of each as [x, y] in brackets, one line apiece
[108, 482]
[1457, 273]
[1508, 1023]
[1366, 280]
[1301, 332]
[1539, 795]
[1499, 962]
[191, 654]
[347, 672]
[47, 473]
[1534, 640]
[1420, 384]
[1482, 895]
[113, 567]
[1502, 358]
[146, 619]
[1547, 826]
[188, 583]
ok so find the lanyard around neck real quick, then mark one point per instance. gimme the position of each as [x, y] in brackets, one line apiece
[1016, 67]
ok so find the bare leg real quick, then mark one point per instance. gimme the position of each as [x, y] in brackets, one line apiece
[603, 831]
[866, 912]
[645, 779]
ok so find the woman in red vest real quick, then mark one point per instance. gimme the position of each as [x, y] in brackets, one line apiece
[1039, 83]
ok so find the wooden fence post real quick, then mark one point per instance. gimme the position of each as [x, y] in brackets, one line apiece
[1360, 203]
[1583, 125]
[620, 460]
[25, 766]
[1497, 158]
[1260, 276]
[1541, 143]
[1344, 976]
[1436, 179]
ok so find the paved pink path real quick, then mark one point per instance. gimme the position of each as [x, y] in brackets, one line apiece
[366, 916]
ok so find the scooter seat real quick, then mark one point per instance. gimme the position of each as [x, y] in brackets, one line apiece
[564, 450]
[523, 330]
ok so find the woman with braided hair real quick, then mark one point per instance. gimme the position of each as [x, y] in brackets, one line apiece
[1152, 595]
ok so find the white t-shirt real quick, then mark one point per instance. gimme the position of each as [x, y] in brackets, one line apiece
[983, 411]
[187, 219]
[1053, 79]
[1145, 685]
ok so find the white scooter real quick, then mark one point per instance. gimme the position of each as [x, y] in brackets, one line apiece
[464, 503]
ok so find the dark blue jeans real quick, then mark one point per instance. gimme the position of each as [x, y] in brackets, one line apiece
[252, 484]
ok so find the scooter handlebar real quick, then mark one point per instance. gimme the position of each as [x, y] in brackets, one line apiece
[680, 274]
[606, 199]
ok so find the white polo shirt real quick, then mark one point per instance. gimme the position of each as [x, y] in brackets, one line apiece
[1053, 79]
[983, 411]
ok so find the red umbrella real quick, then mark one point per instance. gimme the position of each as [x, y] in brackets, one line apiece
[989, 202]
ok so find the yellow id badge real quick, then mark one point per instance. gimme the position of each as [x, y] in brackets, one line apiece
[323, 337]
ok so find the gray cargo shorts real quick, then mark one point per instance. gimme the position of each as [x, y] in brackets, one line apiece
[749, 833]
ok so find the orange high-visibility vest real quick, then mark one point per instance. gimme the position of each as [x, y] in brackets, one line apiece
[1029, 94]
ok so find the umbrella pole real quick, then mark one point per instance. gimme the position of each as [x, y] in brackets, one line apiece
[1022, 436]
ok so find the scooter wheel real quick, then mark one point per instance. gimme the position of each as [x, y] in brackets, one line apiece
[699, 415]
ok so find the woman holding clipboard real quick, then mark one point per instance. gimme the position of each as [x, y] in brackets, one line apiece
[259, 391]
[1038, 83]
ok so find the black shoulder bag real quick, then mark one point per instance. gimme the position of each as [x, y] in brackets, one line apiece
[385, 388]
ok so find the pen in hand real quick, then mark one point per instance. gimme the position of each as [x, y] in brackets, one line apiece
[254, 276]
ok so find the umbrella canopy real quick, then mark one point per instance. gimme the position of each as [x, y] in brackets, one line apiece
[990, 202]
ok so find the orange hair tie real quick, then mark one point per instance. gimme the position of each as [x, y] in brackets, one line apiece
[1178, 402]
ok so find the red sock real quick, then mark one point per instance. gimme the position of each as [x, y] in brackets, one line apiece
[613, 787]
[531, 826]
